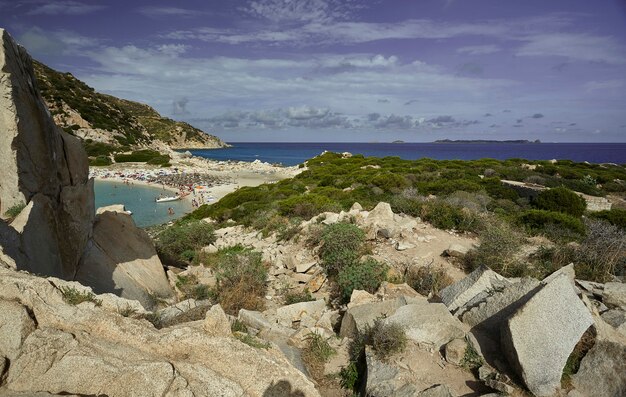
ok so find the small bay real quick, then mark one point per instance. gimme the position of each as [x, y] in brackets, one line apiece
[140, 199]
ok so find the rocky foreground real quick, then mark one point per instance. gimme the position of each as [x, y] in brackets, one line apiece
[87, 308]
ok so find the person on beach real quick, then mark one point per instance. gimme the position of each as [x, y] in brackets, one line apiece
[170, 211]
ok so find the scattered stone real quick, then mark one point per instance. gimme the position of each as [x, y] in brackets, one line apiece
[566, 270]
[358, 317]
[382, 378]
[429, 324]
[287, 315]
[209, 249]
[540, 336]
[615, 295]
[455, 351]
[301, 278]
[480, 280]
[304, 267]
[360, 297]
[456, 250]
[216, 323]
[356, 207]
[253, 319]
[617, 319]
[601, 372]
[403, 246]
[316, 282]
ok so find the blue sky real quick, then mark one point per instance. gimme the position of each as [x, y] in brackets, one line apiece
[351, 70]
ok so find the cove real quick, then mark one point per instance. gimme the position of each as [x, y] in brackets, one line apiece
[140, 199]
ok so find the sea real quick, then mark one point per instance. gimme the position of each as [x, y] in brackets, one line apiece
[140, 199]
[290, 153]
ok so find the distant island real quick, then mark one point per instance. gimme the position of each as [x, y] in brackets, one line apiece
[485, 141]
[398, 141]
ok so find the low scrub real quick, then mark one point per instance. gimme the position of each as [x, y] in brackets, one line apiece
[241, 276]
[385, 338]
[615, 216]
[297, 297]
[15, 210]
[342, 246]
[428, 280]
[555, 225]
[446, 216]
[316, 353]
[74, 297]
[561, 199]
[192, 289]
[366, 275]
[181, 241]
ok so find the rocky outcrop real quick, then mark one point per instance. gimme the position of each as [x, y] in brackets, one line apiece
[120, 258]
[540, 336]
[44, 172]
[58, 348]
[45, 184]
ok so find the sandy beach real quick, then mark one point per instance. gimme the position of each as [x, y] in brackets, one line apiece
[210, 180]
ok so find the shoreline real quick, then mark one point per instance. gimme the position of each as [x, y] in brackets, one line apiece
[220, 178]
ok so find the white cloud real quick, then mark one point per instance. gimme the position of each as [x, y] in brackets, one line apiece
[603, 85]
[290, 11]
[158, 12]
[65, 8]
[62, 42]
[479, 49]
[579, 46]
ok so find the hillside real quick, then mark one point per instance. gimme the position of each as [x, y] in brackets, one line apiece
[118, 123]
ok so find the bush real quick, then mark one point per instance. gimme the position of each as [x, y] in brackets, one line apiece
[100, 161]
[15, 210]
[499, 243]
[307, 205]
[386, 339]
[427, 280]
[192, 289]
[556, 225]
[240, 276]
[446, 216]
[362, 276]
[74, 297]
[342, 245]
[561, 199]
[317, 352]
[174, 243]
[615, 216]
[349, 376]
[139, 156]
[601, 254]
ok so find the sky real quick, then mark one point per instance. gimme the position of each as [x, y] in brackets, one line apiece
[348, 70]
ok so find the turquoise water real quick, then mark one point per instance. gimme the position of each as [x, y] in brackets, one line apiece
[140, 200]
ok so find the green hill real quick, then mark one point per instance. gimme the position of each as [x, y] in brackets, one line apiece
[108, 124]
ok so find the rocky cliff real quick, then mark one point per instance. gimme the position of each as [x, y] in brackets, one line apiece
[89, 115]
[49, 225]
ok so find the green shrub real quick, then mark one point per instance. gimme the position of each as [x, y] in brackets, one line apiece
[342, 245]
[252, 341]
[561, 199]
[74, 297]
[386, 339]
[499, 243]
[175, 243]
[349, 376]
[240, 276]
[601, 255]
[238, 326]
[317, 350]
[140, 156]
[471, 359]
[366, 275]
[15, 210]
[615, 216]
[307, 205]
[555, 224]
[446, 216]
[427, 280]
[100, 161]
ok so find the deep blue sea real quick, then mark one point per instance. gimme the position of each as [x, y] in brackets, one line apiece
[295, 153]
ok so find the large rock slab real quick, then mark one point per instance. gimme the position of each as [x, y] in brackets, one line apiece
[15, 326]
[614, 295]
[602, 371]
[540, 336]
[428, 324]
[121, 259]
[357, 318]
[480, 281]
[40, 164]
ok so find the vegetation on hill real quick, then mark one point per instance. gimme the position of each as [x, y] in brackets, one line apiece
[126, 124]
[466, 196]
